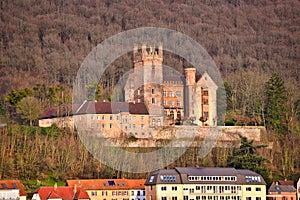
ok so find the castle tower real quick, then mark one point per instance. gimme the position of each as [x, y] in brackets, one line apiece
[190, 76]
[145, 83]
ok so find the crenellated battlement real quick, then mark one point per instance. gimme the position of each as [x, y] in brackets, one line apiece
[150, 52]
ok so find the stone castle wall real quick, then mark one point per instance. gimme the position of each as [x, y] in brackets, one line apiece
[180, 136]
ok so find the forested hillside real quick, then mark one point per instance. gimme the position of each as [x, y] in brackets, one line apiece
[255, 44]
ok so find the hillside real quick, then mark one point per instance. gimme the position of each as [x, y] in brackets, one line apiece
[43, 43]
[46, 41]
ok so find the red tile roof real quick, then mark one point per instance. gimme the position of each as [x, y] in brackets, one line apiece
[112, 108]
[13, 184]
[63, 192]
[90, 107]
[109, 184]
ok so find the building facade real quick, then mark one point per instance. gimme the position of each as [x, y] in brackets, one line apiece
[205, 184]
[112, 189]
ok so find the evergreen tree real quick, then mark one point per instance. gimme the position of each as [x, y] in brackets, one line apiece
[276, 98]
[246, 157]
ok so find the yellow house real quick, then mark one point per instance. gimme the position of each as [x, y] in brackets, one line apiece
[112, 189]
[205, 184]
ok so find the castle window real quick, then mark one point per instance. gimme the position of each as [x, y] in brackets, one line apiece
[153, 65]
[103, 125]
[153, 100]
[205, 93]
[165, 93]
[92, 117]
[205, 114]
[165, 102]
[171, 94]
[142, 126]
[142, 118]
[171, 103]
[172, 114]
[98, 126]
[158, 122]
[98, 117]
[178, 115]
[110, 117]
[103, 117]
[92, 125]
[178, 103]
[153, 122]
[133, 125]
[152, 90]
[205, 101]
[178, 93]
[110, 125]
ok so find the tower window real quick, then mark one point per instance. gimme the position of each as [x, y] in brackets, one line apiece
[153, 100]
[152, 90]
[205, 114]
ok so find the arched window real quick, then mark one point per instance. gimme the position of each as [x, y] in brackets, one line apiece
[172, 114]
[178, 115]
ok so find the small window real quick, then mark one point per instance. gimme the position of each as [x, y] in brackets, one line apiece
[153, 100]
[165, 93]
[248, 188]
[152, 91]
[158, 122]
[178, 93]
[171, 94]
[110, 125]
[110, 117]
[258, 189]
[206, 115]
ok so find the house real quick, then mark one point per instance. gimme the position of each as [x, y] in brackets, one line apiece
[282, 190]
[12, 189]
[205, 183]
[109, 189]
[60, 193]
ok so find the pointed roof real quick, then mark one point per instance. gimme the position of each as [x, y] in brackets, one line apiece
[62, 192]
[206, 80]
[276, 187]
[13, 184]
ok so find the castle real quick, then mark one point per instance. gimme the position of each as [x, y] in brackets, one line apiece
[170, 97]
[154, 98]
